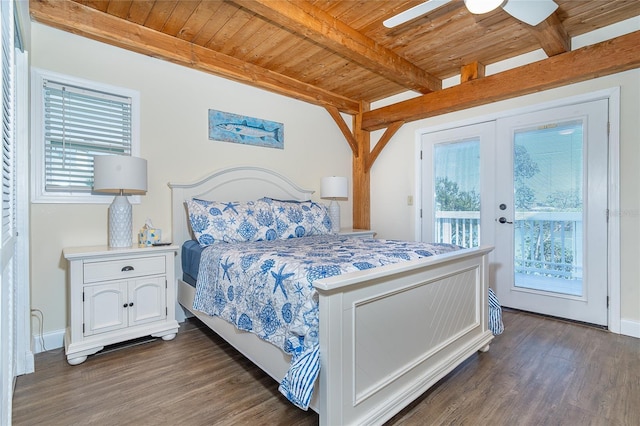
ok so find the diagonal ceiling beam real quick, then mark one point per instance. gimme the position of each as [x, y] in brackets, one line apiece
[552, 36]
[88, 22]
[346, 131]
[608, 57]
[309, 21]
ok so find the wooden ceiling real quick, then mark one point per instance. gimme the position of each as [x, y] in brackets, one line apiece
[329, 52]
[337, 54]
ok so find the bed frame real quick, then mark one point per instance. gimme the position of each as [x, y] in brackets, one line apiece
[373, 363]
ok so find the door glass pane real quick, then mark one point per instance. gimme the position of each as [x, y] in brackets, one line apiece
[457, 192]
[548, 185]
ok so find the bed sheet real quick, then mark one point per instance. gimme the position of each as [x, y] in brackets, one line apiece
[191, 253]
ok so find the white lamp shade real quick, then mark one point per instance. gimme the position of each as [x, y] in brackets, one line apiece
[334, 187]
[115, 173]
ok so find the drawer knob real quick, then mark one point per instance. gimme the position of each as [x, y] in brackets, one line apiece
[125, 305]
[131, 304]
[127, 268]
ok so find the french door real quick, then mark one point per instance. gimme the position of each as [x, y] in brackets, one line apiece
[535, 187]
[458, 186]
[551, 235]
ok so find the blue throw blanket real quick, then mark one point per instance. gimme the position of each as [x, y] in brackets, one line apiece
[266, 287]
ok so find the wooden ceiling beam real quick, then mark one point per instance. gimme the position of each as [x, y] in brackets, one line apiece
[471, 71]
[360, 173]
[88, 22]
[346, 131]
[552, 36]
[312, 22]
[384, 139]
[608, 57]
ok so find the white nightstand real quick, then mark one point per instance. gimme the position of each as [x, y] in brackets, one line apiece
[358, 233]
[117, 295]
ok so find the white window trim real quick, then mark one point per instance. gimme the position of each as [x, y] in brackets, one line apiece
[38, 192]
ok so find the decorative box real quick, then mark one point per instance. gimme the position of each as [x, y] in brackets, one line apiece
[149, 236]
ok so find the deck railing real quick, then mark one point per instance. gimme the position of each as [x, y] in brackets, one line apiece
[460, 228]
[545, 243]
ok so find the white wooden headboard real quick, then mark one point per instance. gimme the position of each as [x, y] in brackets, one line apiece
[241, 183]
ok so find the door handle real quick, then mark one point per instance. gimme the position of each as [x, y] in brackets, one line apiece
[503, 220]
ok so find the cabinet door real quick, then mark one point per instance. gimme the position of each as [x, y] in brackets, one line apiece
[148, 296]
[104, 307]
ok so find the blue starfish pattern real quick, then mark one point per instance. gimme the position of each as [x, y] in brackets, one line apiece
[298, 289]
[225, 268]
[280, 277]
[231, 206]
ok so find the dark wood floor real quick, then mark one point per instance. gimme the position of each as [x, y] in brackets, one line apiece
[539, 372]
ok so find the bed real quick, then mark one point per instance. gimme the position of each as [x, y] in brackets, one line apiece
[365, 376]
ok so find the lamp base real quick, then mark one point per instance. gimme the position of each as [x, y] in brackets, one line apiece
[120, 222]
[334, 215]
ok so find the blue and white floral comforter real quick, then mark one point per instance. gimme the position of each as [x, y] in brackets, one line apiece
[266, 287]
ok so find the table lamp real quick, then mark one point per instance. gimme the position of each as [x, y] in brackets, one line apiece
[120, 174]
[334, 188]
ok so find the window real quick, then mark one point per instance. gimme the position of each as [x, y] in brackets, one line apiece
[75, 120]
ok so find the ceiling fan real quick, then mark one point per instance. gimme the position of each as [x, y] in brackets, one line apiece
[531, 12]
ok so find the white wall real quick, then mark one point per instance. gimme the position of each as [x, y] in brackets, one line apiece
[175, 101]
[392, 176]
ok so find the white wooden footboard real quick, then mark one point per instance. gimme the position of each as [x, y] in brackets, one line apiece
[388, 334]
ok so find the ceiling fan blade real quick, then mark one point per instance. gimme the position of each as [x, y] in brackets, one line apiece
[531, 12]
[414, 12]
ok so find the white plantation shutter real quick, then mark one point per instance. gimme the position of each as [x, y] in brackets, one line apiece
[80, 123]
[8, 164]
[8, 240]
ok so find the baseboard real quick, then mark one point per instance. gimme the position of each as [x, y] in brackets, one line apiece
[26, 363]
[630, 328]
[52, 340]
[55, 339]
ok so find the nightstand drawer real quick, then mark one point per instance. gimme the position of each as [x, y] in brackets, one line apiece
[123, 268]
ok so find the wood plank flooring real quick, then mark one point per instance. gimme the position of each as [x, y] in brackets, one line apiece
[541, 371]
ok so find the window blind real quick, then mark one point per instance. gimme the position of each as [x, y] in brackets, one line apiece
[80, 123]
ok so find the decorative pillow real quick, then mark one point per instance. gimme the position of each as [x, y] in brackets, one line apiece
[214, 221]
[295, 219]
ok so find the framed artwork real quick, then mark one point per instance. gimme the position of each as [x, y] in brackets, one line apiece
[228, 127]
